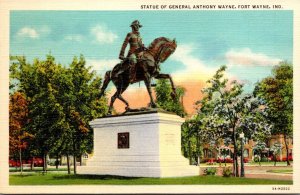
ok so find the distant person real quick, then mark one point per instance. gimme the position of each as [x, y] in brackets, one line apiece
[56, 164]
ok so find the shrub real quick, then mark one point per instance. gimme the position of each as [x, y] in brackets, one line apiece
[210, 171]
[246, 160]
[264, 159]
[290, 158]
[227, 172]
[210, 162]
[229, 160]
[219, 160]
[256, 159]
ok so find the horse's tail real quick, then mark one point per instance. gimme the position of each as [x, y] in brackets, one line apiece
[107, 79]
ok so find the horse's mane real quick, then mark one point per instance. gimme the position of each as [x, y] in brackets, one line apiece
[156, 43]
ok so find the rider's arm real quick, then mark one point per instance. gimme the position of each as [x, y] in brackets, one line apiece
[124, 46]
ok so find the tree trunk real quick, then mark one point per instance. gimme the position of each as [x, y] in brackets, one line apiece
[74, 155]
[68, 164]
[60, 157]
[21, 164]
[287, 150]
[44, 167]
[190, 151]
[56, 162]
[235, 162]
[74, 161]
[275, 159]
[80, 159]
[32, 163]
[45, 162]
[198, 150]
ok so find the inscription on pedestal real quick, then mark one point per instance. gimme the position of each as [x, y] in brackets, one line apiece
[123, 140]
[170, 139]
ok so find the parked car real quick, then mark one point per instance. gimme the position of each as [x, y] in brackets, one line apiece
[37, 162]
[14, 163]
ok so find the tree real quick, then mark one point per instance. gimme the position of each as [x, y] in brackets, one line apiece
[84, 105]
[165, 101]
[191, 139]
[276, 149]
[220, 103]
[188, 143]
[226, 112]
[224, 150]
[259, 148]
[18, 118]
[62, 100]
[277, 92]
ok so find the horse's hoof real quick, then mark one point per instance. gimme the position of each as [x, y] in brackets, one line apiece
[108, 113]
[173, 95]
[153, 105]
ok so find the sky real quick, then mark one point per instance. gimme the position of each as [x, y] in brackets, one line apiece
[250, 43]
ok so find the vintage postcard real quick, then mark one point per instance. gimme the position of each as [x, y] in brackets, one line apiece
[149, 97]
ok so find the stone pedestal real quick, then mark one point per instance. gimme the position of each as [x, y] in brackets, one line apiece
[138, 145]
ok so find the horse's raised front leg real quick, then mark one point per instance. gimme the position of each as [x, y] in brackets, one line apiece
[167, 76]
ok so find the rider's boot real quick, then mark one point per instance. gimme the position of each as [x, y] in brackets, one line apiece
[132, 73]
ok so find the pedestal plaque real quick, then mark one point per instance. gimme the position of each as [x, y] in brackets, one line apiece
[138, 145]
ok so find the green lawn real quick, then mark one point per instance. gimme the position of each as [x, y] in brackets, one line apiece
[269, 163]
[64, 179]
[27, 169]
[287, 171]
[246, 164]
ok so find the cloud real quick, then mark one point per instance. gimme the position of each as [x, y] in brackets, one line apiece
[75, 37]
[245, 57]
[102, 66]
[193, 67]
[28, 32]
[33, 33]
[103, 35]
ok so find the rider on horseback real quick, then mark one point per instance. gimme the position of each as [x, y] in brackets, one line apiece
[136, 46]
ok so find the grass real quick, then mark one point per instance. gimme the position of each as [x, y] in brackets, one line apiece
[287, 171]
[65, 179]
[271, 163]
[27, 169]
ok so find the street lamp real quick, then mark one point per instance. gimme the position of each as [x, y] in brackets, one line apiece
[242, 155]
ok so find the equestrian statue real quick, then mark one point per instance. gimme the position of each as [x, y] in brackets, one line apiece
[141, 64]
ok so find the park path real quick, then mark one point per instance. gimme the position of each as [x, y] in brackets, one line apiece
[273, 176]
[261, 172]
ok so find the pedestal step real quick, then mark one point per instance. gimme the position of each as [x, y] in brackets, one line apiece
[160, 171]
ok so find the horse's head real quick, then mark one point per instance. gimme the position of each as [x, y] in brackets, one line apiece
[167, 49]
[162, 48]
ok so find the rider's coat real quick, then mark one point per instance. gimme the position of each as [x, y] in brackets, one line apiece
[135, 42]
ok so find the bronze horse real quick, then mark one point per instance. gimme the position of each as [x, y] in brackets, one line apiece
[146, 68]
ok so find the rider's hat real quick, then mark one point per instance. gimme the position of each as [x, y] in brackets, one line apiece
[136, 22]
